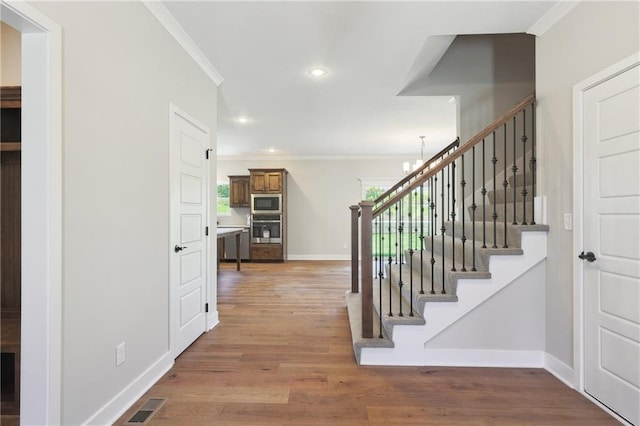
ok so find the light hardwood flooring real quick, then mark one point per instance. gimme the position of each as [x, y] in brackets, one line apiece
[282, 355]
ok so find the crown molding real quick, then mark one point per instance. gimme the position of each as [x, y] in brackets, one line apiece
[172, 26]
[553, 15]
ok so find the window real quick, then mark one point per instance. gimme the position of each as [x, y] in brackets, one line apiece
[222, 208]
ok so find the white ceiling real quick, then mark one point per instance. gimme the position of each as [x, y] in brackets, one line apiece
[372, 51]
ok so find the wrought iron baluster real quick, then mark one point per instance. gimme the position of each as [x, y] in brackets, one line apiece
[494, 160]
[442, 229]
[533, 162]
[434, 218]
[410, 213]
[505, 183]
[463, 183]
[380, 270]
[524, 166]
[514, 169]
[422, 237]
[452, 181]
[389, 267]
[484, 197]
[400, 236]
[473, 208]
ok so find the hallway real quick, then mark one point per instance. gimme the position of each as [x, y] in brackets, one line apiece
[282, 354]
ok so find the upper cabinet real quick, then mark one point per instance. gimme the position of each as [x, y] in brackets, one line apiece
[269, 181]
[239, 192]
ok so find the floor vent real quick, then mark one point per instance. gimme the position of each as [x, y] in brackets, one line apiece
[144, 413]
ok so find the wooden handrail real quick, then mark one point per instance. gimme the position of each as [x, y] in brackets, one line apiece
[456, 154]
[419, 170]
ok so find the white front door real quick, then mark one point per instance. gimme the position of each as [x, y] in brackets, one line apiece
[612, 233]
[188, 246]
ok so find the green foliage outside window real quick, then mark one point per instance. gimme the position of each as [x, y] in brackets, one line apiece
[222, 207]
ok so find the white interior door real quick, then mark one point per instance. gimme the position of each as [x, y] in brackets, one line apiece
[612, 233]
[188, 251]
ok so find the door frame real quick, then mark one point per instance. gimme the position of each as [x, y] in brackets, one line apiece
[579, 90]
[41, 341]
[175, 111]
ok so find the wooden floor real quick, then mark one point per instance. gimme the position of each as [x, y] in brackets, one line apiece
[282, 355]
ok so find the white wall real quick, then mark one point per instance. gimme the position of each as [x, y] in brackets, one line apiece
[320, 192]
[120, 71]
[10, 59]
[593, 36]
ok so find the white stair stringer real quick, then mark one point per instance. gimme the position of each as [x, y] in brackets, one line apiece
[409, 340]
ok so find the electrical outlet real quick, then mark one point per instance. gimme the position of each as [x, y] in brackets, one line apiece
[345, 245]
[120, 354]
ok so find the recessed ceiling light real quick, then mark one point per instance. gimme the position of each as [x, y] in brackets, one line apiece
[272, 150]
[242, 119]
[317, 72]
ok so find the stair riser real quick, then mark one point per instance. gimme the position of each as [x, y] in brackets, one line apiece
[449, 245]
[484, 233]
[519, 213]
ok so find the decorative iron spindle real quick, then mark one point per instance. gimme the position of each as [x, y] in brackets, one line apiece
[422, 236]
[380, 270]
[453, 216]
[389, 268]
[463, 183]
[505, 183]
[524, 166]
[442, 229]
[473, 208]
[411, 207]
[533, 162]
[434, 217]
[397, 229]
[494, 160]
[514, 169]
[484, 198]
[400, 232]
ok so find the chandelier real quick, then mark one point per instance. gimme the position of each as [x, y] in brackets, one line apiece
[406, 166]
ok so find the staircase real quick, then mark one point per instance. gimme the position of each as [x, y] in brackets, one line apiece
[439, 248]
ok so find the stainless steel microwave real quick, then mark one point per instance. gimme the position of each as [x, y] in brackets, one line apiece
[266, 203]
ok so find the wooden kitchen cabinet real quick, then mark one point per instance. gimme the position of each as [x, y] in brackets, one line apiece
[267, 181]
[239, 192]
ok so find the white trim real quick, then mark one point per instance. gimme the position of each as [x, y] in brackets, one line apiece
[41, 341]
[559, 369]
[319, 257]
[462, 358]
[552, 17]
[119, 404]
[172, 26]
[578, 207]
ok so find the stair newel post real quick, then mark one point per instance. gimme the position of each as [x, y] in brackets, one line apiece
[505, 183]
[355, 213]
[494, 160]
[524, 166]
[442, 229]
[532, 162]
[434, 218]
[473, 208]
[514, 170]
[463, 183]
[366, 264]
[422, 236]
[484, 197]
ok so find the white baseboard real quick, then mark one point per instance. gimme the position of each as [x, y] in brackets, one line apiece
[319, 257]
[484, 358]
[559, 369]
[212, 319]
[115, 408]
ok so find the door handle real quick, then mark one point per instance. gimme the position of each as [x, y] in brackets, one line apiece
[178, 248]
[589, 256]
